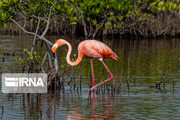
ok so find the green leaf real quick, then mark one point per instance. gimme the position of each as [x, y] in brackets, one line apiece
[20, 7]
[161, 3]
[3, 16]
[153, 4]
[1, 4]
[4, 25]
[7, 2]
[74, 23]
[15, 1]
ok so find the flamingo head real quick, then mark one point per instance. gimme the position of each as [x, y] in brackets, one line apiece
[58, 43]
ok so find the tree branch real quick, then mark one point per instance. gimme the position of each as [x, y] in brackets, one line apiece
[37, 28]
[35, 34]
[83, 22]
[96, 30]
[48, 20]
[44, 58]
[32, 33]
[24, 23]
[41, 18]
[56, 62]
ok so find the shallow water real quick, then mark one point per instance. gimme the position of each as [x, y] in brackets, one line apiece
[147, 59]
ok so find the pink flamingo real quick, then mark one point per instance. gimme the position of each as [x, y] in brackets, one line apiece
[91, 49]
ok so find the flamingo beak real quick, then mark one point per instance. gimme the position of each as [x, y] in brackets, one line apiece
[54, 47]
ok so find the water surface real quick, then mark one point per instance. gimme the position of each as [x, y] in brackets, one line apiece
[149, 62]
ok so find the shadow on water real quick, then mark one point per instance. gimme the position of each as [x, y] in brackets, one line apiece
[145, 86]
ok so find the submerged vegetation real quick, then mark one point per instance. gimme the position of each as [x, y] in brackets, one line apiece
[94, 18]
[32, 61]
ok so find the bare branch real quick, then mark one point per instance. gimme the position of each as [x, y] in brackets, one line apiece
[46, 18]
[24, 23]
[56, 62]
[41, 18]
[49, 55]
[44, 59]
[96, 30]
[48, 21]
[37, 28]
[32, 33]
[84, 24]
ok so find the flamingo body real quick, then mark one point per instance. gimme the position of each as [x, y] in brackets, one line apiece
[96, 49]
[91, 49]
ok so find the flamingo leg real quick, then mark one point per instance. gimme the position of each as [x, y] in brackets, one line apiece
[92, 71]
[111, 77]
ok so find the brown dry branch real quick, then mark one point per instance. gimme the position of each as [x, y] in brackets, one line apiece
[162, 80]
[173, 81]
[120, 78]
[128, 73]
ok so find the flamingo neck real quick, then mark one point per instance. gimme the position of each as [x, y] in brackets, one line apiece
[78, 60]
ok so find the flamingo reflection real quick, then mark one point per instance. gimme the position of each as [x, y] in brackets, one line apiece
[106, 113]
